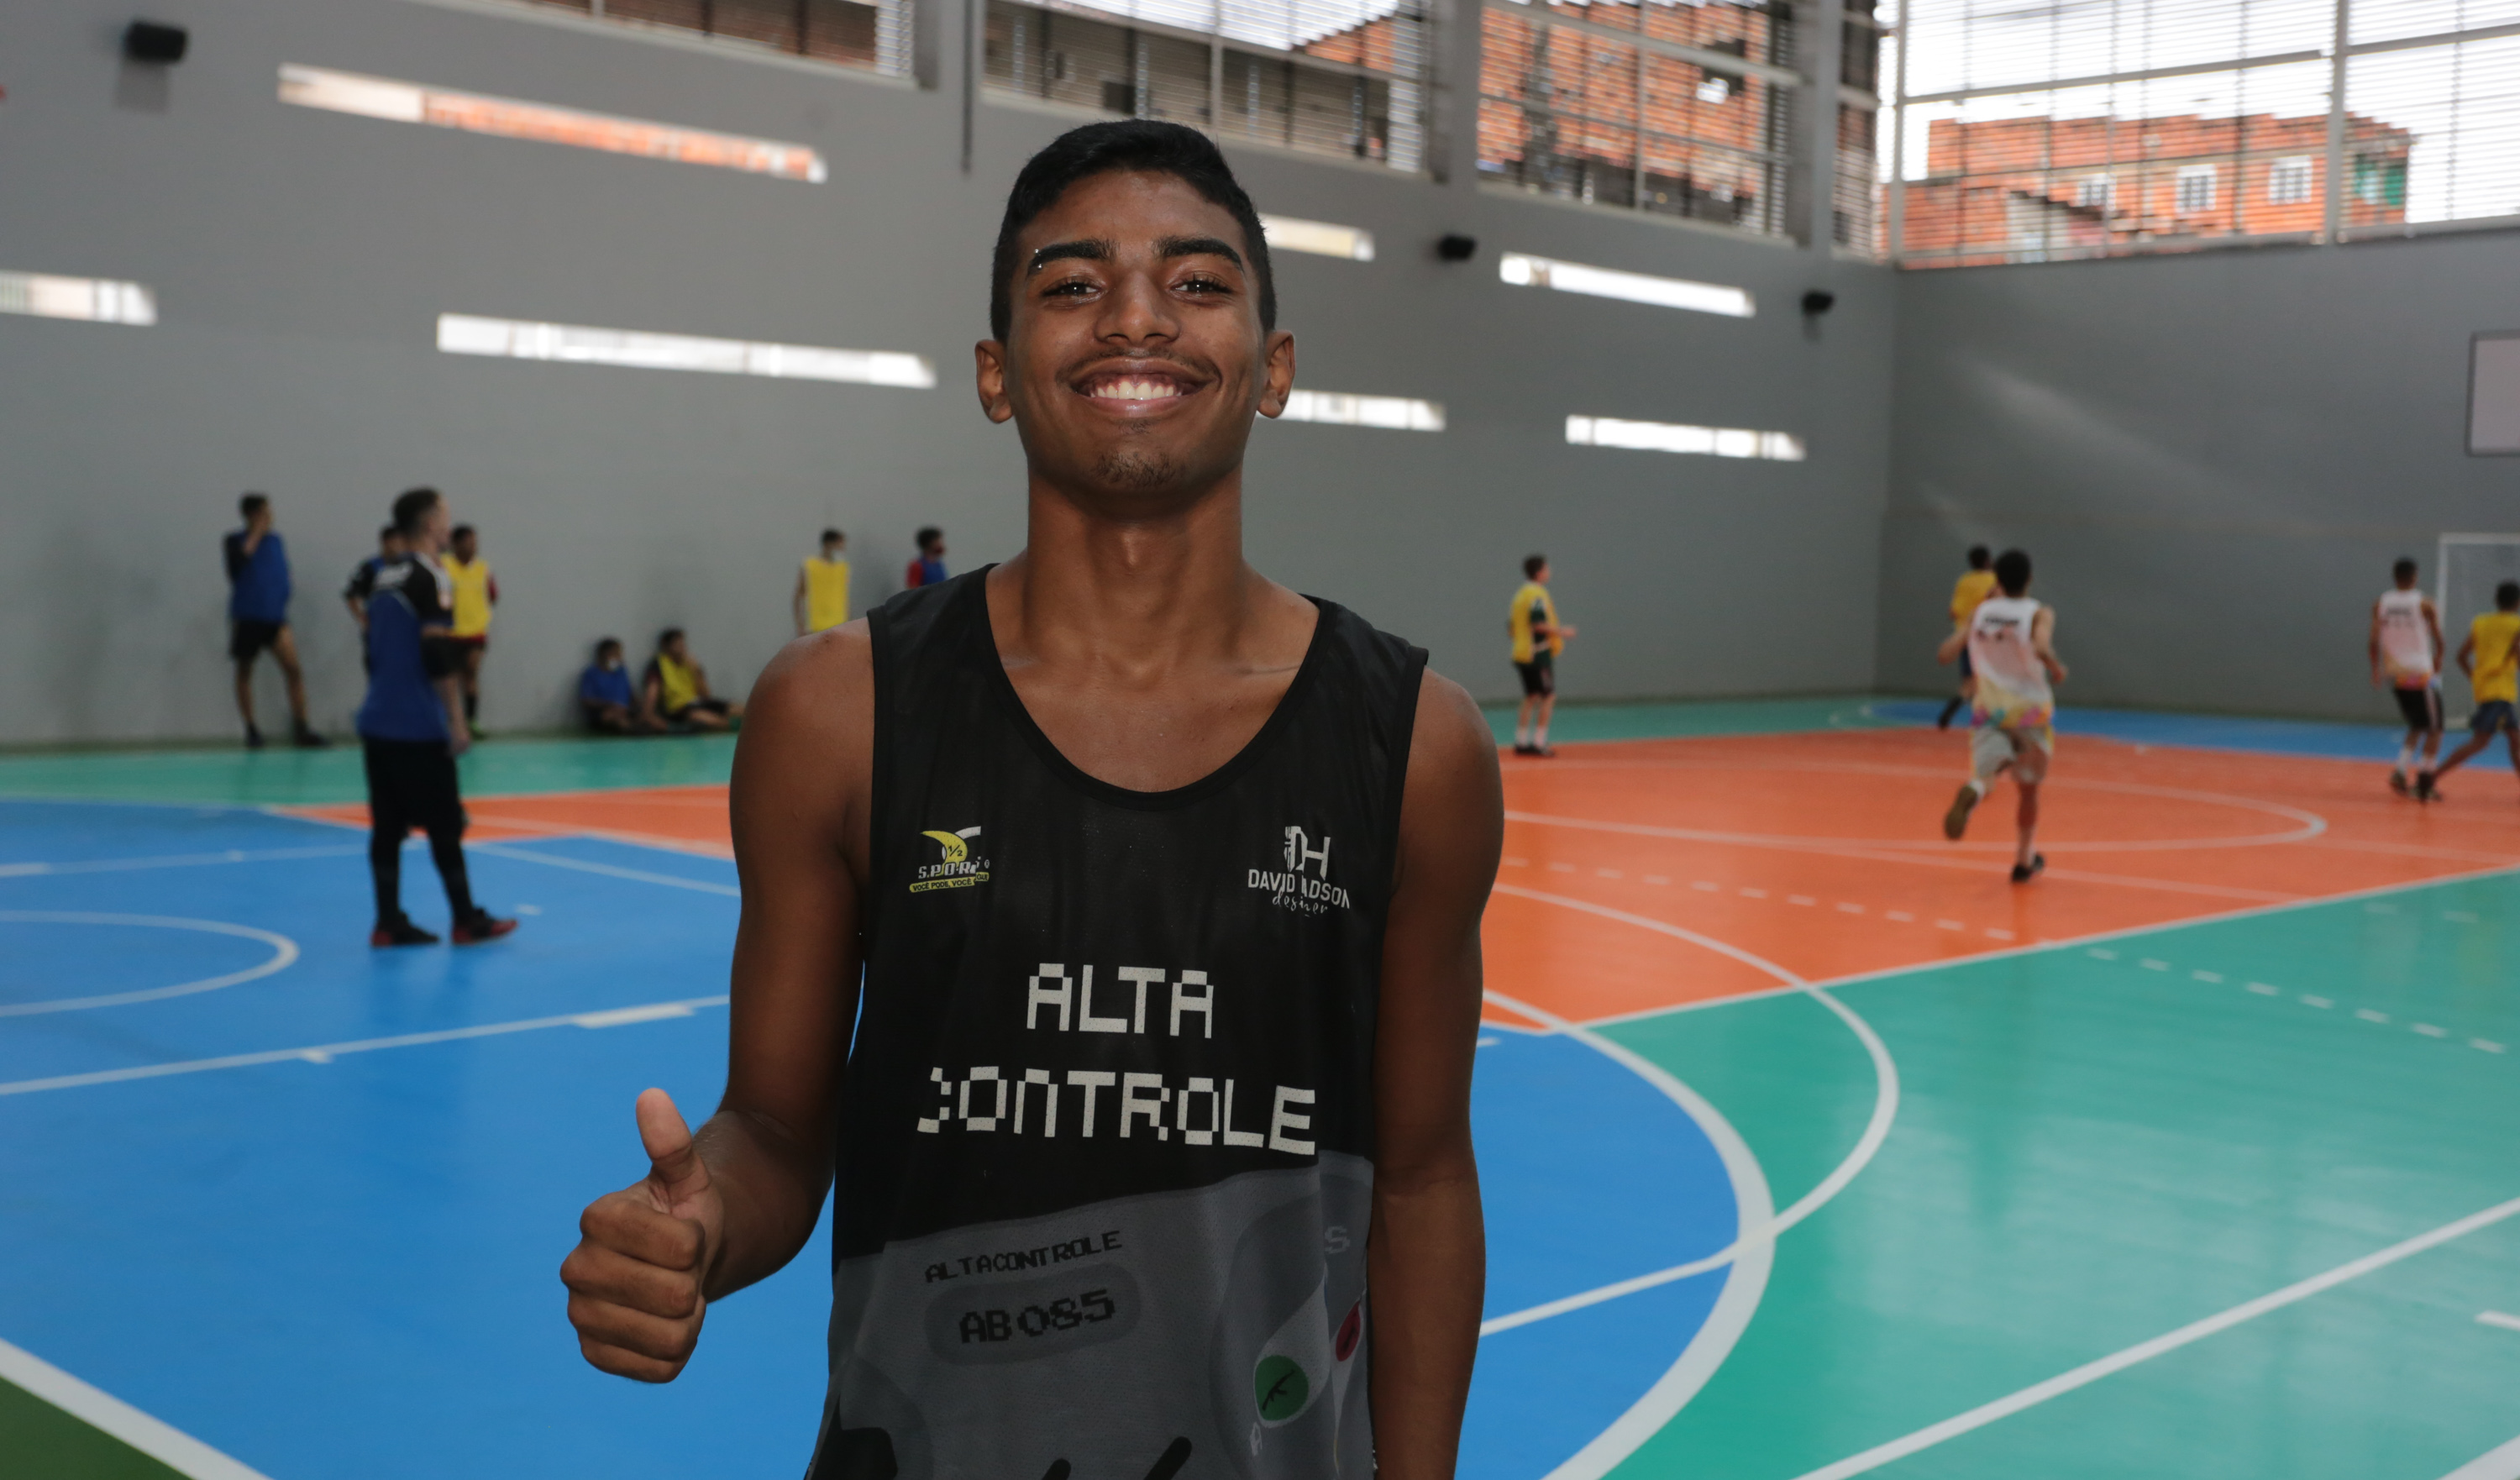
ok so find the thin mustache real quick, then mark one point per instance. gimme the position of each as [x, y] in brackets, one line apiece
[1101, 364]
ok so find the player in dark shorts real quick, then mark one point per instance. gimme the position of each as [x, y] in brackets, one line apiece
[259, 591]
[1535, 637]
[1166, 884]
[411, 729]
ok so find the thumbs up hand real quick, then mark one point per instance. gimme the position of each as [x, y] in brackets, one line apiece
[637, 1277]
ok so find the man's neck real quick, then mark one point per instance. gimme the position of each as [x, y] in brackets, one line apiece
[1150, 590]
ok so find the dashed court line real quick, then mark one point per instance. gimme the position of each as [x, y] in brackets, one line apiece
[1754, 891]
[2307, 999]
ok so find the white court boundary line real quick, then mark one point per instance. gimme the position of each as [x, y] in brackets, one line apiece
[611, 871]
[326, 1053]
[93, 1406]
[2502, 1463]
[2169, 1341]
[284, 954]
[1751, 1255]
[33, 869]
[1877, 1129]
[2051, 946]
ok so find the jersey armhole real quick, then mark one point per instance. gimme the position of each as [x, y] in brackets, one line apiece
[1412, 681]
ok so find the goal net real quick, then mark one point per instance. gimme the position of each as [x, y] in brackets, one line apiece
[2471, 565]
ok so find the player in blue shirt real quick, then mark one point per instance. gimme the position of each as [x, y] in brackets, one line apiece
[411, 729]
[605, 695]
[930, 568]
[259, 618]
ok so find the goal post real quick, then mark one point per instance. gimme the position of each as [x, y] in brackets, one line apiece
[2469, 568]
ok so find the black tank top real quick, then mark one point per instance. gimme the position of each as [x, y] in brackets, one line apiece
[1106, 1138]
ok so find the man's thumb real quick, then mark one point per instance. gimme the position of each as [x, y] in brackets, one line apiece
[678, 1171]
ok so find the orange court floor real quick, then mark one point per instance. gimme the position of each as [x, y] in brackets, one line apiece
[1757, 863]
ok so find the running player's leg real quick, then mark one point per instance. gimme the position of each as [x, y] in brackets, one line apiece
[2030, 767]
[1961, 696]
[441, 813]
[244, 642]
[473, 655]
[1990, 753]
[2432, 702]
[2414, 705]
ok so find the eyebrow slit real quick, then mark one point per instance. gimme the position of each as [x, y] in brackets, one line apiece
[1058, 252]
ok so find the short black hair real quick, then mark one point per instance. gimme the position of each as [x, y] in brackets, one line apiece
[2405, 567]
[603, 645]
[830, 535]
[412, 508]
[461, 530]
[926, 537]
[666, 637]
[1532, 565]
[388, 532]
[2507, 596]
[1133, 144]
[1979, 556]
[252, 504]
[2012, 572]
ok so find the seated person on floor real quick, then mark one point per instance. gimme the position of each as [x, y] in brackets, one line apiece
[606, 696]
[675, 689]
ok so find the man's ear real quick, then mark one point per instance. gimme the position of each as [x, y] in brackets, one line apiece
[1277, 380]
[989, 361]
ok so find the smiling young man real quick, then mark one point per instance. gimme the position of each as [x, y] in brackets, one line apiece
[1165, 882]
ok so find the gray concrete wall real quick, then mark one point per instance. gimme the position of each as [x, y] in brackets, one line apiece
[2213, 459]
[300, 259]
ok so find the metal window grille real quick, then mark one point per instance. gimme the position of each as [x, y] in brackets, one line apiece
[874, 35]
[2216, 121]
[1337, 77]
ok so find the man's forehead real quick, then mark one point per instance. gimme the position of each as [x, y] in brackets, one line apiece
[1130, 210]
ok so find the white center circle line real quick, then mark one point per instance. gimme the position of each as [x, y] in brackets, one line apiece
[284, 954]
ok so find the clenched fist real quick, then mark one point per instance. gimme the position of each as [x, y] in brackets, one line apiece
[637, 1279]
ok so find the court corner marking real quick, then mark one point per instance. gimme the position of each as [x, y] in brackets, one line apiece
[101, 1411]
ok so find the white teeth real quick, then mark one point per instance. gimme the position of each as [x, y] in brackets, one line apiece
[1135, 390]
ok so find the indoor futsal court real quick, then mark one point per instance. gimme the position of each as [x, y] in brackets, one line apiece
[2170, 1167]
[1983, 537]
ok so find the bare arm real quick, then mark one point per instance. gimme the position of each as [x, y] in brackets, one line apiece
[2042, 643]
[1951, 645]
[2375, 644]
[796, 602]
[1426, 1256]
[735, 1203]
[2432, 624]
[2468, 656]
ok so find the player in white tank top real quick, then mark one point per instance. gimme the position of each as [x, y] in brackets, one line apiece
[2010, 642]
[2405, 658]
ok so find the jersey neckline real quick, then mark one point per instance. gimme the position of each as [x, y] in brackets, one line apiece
[985, 641]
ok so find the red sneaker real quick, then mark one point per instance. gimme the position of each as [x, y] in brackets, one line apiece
[399, 932]
[483, 925]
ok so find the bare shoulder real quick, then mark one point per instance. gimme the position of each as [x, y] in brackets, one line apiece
[807, 753]
[1452, 815]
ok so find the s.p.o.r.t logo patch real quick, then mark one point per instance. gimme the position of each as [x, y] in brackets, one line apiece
[955, 868]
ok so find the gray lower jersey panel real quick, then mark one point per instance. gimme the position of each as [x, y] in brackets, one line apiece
[1232, 1318]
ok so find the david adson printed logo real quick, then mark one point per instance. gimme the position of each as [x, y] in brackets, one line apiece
[956, 868]
[1304, 884]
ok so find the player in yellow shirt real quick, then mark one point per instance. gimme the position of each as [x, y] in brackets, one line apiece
[475, 592]
[822, 599]
[1538, 637]
[1975, 585]
[674, 692]
[2490, 658]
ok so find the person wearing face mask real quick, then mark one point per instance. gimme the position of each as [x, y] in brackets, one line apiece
[606, 696]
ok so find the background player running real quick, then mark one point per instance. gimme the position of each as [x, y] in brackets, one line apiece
[1536, 637]
[474, 593]
[2491, 659]
[1975, 585]
[2405, 656]
[2011, 645]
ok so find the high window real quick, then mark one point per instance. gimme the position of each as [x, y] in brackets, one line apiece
[1344, 79]
[874, 35]
[2216, 121]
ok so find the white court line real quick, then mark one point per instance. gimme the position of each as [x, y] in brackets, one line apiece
[2312, 825]
[2144, 1351]
[177, 861]
[170, 1447]
[2498, 1318]
[283, 953]
[2502, 1463]
[1876, 1130]
[2044, 947]
[326, 1053]
[1751, 1255]
[613, 871]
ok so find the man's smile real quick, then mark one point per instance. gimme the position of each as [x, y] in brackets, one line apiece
[1147, 385]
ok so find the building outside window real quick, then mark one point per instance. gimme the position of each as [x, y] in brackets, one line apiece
[1344, 79]
[874, 36]
[2100, 191]
[2289, 182]
[2195, 189]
